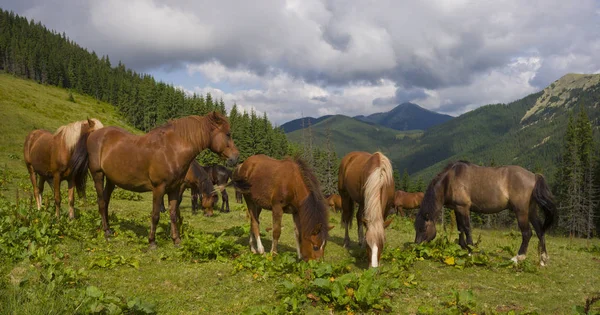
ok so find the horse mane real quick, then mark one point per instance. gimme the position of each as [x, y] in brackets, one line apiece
[314, 208]
[187, 127]
[70, 133]
[429, 205]
[375, 198]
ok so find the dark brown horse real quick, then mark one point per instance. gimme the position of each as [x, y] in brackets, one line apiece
[220, 175]
[49, 156]
[238, 197]
[465, 187]
[200, 184]
[334, 201]
[405, 200]
[285, 186]
[366, 179]
[157, 161]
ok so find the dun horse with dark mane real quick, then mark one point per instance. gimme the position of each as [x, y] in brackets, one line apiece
[49, 156]
[157, 161]
[220, 175]
[366, 179]
[200, 184]
[285, 186]
[465, 187]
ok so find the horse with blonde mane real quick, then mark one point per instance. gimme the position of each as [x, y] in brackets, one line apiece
[157, 161]
[285, 186]
[49, 155]
[366, 179]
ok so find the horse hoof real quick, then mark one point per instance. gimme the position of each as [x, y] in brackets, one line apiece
[108, 233]
[152, 246]
[177, 242]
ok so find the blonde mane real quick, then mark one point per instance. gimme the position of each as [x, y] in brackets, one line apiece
[72, 132]
[375, 199]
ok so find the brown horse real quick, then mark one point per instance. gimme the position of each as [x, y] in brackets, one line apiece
[366, 179]
[405, 200]
[157, 161]
[220, 175]
[285, 186]
[465, 187]
[199, 182]
[334, 202]
[49, 156]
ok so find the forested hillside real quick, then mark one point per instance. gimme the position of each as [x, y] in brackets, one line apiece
[29, 50]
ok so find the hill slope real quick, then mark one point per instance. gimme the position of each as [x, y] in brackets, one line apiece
[407, 116]
[26, 105]
[300, 123]
[349, 134]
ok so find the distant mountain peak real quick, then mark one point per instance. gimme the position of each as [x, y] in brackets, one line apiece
[559, 92]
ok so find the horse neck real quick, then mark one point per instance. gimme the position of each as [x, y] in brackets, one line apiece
[194, 134]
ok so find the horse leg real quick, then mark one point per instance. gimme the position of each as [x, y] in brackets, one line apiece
[461, 224]
[194, 201]
[347, 212]
[359, 222]
[225, 198]
[36, 189]
[277, 212]
[539, 231]
[297, 234]
[254, 211]
[71, 186]
[56, 188]
[42, 180]
[175, 216]
[158, 194]
[98, 178]
[523, 221]
[108, 190]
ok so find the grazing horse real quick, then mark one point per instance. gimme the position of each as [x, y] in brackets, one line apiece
[219, 175]
[466, 187]
[334, 201]
[405, 200]
[199, 182]
[366, 179]
[49, 156]
[285, 186]
[157, 161]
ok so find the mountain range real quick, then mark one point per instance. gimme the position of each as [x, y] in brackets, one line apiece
[526, 132]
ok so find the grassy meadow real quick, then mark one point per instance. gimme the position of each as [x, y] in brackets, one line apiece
[57, 266]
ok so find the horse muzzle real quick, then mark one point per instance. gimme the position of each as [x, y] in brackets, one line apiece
[233, 160]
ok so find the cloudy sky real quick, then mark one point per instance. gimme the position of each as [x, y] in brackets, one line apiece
[296, 57]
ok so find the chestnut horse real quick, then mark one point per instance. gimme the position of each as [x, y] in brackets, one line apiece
[199, 182]
[405, 200]
[366, 179]
[334, 201]
[285, 186]
[49, 156]
[157, 161]
[220, 175]
[466, 187]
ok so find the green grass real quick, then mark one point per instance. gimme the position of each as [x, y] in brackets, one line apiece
[89, 271]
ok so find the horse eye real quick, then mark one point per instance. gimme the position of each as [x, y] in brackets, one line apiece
[228, 135]
[315, 248]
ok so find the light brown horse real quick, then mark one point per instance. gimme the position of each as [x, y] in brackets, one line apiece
[405, 200]
[466, 187]
[334, 201]
[366, 179]
[200, 184]
[157, 161]
[49, 156]
[285, 186]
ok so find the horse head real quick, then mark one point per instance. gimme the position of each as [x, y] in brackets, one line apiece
[424, 227]
[313, 246]
[221, 141]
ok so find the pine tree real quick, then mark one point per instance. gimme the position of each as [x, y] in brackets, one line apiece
[405, 185]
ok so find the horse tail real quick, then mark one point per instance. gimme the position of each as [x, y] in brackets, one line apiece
[376, 189]
[543, 197]
[80, 163]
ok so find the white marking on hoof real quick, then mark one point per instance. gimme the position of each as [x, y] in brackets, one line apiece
[544, 259]
[259, 245]
[374, 262]
[518, 258]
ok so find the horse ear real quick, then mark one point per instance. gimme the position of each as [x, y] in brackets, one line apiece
[91, 123]
[331, 227]
[216, 117]
[317, 229]
[388, 222]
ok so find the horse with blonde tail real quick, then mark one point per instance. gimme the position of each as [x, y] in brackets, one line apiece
[366, 179]
[49, 155]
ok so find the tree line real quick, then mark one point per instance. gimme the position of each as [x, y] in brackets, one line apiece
[29, 50]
